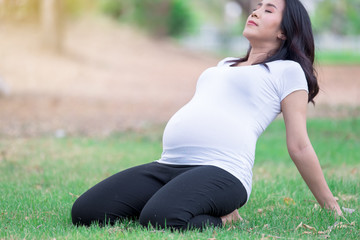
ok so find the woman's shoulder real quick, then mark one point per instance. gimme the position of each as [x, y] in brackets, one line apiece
[285, 64]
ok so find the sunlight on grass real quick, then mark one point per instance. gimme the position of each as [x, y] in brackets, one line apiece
[42, 177]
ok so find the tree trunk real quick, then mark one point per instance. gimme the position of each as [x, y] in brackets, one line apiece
[52, 24]
[247, 6]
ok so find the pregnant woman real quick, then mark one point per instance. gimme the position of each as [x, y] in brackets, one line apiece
[205, 171]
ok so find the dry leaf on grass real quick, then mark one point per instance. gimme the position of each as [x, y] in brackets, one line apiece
[307, 227]
[316, 206]
[73, 195]
[263, 237]
[347, 197]
[232, 227]
[344, 225]
[299, 226]
[339, 225]
[289, 201]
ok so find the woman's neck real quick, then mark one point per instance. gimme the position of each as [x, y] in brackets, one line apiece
[259, 54]
[256, 57]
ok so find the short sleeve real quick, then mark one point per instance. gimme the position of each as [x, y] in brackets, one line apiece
[292, 79]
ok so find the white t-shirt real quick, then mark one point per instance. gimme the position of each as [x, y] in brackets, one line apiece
[231, 107]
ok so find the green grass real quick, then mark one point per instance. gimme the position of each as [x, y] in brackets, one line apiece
[338, 57]
[41, 178]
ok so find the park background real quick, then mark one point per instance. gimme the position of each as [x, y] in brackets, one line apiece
[89, 82]
[99, 66]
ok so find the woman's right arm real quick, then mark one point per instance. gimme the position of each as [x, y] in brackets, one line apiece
[301, 151]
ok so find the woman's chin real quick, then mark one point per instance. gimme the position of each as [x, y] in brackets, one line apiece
[249, 36]
[249, 33]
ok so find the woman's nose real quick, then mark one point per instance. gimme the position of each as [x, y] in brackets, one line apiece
[254, 14]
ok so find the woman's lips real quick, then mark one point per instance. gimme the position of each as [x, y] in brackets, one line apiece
[251, 23]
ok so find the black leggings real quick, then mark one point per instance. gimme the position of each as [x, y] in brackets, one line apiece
[165, 196]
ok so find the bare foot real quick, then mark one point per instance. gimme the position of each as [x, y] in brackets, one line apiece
[231, 217]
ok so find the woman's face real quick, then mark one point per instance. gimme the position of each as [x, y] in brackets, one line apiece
[263, 25]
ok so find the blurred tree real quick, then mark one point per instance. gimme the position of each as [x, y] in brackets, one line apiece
[181, 18]
[117, 9]
[338, 16]
[52, 24]
[74, 8]
[152, 15]
[25, 10]
[50, 14]
[159, 17]
[30, 10]
[247, 6]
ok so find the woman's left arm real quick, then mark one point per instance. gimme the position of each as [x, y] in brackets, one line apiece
[294, 108]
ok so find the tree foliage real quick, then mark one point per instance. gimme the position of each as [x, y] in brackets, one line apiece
[159, 17]
[337, 16]
[30, 10]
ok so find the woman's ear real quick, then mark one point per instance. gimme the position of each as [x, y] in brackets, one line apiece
[282, 36]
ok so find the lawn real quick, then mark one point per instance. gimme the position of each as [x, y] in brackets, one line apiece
[338, 57]
[41, 178]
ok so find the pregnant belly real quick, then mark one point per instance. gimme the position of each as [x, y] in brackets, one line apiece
[192, 126]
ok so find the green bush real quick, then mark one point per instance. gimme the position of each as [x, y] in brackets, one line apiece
[158, 17]
[113, 8]
[181, 19]
[77, 7]
[340, 17]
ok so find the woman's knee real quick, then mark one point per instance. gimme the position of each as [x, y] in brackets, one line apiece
[151, 217]
[162, 217]
[78, 214]
[83, 214]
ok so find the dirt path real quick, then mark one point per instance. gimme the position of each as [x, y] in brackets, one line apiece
[111, 78]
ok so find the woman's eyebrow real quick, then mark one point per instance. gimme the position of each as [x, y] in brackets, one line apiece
[268, 5]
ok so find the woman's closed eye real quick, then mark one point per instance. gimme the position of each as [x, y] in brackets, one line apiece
[267, 11]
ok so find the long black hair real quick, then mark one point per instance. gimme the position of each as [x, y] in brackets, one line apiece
[298, 46]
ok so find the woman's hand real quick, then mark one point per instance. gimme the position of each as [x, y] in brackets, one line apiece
[334, 207]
